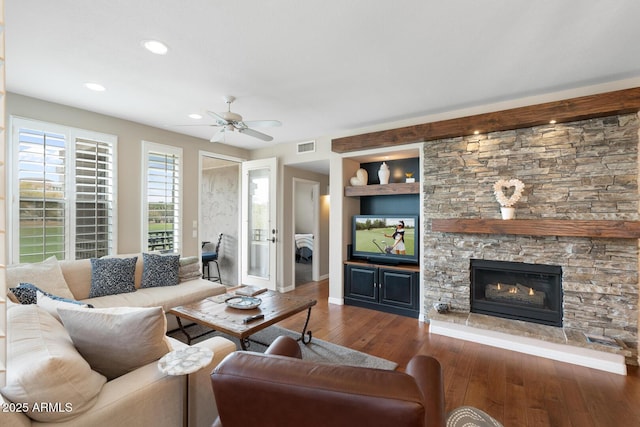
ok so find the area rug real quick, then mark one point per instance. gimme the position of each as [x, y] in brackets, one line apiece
[317, 350]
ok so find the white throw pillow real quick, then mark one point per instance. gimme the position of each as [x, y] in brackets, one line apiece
[46, 275]
[44, 366]
[51, 305]
[117, 340]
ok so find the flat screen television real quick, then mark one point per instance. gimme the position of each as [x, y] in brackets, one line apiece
[386, 239]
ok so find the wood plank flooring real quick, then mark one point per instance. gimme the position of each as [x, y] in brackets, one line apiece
[517, 389]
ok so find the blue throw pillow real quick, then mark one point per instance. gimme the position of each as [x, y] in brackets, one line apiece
[26, 293]
[160, 270]
[110, 276]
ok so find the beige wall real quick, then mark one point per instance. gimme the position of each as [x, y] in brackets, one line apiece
[129, 179]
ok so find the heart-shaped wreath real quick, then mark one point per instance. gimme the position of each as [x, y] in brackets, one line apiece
[500, 186]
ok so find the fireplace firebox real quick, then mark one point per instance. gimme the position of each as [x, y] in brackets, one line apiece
[516, 290]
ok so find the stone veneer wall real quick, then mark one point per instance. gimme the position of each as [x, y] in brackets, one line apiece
[220, 210]
[579, 170]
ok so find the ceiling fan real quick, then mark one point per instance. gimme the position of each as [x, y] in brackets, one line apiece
[229, 121]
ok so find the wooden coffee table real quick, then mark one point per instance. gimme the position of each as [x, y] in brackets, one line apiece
[213, 313]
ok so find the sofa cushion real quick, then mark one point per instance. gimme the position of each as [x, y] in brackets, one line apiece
[51, 303]
[160, 270]
[46, 275]
[117, 340]
[111, 276]
[166, 296]
[44, 366]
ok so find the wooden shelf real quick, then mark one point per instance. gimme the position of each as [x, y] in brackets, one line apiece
[382, 190]
[541, 227]
[585, 107]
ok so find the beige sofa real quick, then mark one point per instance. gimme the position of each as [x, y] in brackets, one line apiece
[143, 396]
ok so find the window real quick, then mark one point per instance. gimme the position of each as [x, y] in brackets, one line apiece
[63, 179]
[94, 198]
[162, 197]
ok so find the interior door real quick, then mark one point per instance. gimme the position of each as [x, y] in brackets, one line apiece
[259, 232]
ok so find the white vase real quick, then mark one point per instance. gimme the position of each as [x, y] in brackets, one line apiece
[384, 173]
[508, 212]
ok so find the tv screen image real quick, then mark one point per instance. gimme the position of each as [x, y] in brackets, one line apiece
[385, 237]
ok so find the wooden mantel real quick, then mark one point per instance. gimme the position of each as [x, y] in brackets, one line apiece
[605, 104]
[541, 227]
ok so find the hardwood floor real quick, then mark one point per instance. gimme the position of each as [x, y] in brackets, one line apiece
[517, 389]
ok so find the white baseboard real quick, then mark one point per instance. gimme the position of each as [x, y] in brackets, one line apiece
[336, 301]
[609, 362]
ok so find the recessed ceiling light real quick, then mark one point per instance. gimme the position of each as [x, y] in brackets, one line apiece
[195, 116]
[95, 87]
[154, 46]
[553, 122]
[476, 132]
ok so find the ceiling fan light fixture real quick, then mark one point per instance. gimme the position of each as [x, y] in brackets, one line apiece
[155, 46]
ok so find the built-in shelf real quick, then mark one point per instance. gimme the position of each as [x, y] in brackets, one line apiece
[541, 227]
[381, 190]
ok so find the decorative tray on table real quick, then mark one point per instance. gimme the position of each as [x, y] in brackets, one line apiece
[243, 303]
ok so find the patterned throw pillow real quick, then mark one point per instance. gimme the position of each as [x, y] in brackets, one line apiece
[110, 276]
[26, 293]
[160, 270]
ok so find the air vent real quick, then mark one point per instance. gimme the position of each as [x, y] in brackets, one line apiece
[306, 147]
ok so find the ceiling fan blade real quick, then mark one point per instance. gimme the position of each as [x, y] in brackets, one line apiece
[219, 136]
[262, 123]
[219, 119]
[256, 134]
[201, 124]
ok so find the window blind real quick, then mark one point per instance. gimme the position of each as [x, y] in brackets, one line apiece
[42, 194]
[163, 199]
[94, 199]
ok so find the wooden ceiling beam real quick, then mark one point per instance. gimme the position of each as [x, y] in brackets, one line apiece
[581, 108]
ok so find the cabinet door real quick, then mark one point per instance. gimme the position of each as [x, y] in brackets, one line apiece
[399, 288]
[361, 283]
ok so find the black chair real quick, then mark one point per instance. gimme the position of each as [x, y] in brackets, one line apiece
[209, 257]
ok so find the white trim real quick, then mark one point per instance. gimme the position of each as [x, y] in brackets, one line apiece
[336, 301]
[604, 361]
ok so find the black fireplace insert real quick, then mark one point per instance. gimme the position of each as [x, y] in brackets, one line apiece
[516, 290]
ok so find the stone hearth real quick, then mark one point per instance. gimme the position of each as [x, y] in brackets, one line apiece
[580, 170]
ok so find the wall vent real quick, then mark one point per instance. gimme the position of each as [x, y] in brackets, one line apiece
[306, 147]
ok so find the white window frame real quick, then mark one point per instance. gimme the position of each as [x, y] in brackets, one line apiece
[153, 147]
[71, 135]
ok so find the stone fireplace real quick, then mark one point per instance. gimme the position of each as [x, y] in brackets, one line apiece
[585, 170]
[517, 290]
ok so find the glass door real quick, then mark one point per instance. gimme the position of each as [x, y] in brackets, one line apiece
[259, 236]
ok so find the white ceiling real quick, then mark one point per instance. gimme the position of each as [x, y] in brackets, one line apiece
[320, 67]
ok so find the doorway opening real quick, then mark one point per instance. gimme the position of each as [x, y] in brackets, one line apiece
[219, 212]
[306, 212]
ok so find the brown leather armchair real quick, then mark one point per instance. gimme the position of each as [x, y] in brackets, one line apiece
[277, 389]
